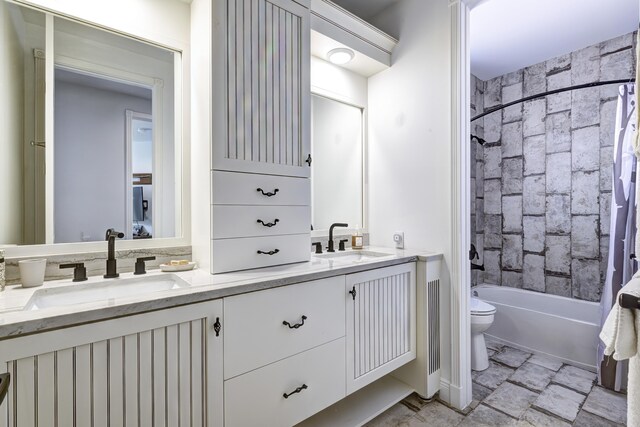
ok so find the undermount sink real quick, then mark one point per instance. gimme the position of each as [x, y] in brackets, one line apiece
[353, 255]
[102, 291]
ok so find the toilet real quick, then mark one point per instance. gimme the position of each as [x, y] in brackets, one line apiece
[481, 319]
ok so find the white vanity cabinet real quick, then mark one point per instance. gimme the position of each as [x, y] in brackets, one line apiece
[261, 156]
[331, 345]
[162, 368]
[381, 323]
[280, 341]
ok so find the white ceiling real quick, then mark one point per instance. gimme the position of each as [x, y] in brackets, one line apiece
[365, 9]
[507, 35]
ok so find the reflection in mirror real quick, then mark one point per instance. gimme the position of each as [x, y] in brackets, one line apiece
[112, 153]
[337, 147]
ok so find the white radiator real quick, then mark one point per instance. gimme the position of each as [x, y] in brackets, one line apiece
[423, 374]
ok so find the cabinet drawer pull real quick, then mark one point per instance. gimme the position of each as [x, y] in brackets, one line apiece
[353, 293]
[273, 252]
[297, 325]
[268, 194]
[269, 224]
[298, 390]
[217, 326]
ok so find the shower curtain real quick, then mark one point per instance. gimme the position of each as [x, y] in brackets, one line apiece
[622, 263]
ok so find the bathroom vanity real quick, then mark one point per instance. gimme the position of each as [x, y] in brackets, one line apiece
[192, 348]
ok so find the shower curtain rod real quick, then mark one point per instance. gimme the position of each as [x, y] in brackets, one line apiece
[551, 92]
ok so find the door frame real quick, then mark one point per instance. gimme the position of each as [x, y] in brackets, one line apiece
[131, 115]
[457, 390]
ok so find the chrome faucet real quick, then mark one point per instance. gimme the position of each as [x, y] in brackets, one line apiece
[337, 224]
[112, 268]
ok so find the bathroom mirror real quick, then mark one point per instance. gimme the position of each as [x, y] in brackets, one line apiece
[89, 136]
[337, 144]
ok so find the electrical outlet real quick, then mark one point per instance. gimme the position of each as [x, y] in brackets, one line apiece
[398, 238]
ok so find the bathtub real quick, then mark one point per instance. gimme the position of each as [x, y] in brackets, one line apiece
[562, 328]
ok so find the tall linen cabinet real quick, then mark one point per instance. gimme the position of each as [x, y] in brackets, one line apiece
[261, 155]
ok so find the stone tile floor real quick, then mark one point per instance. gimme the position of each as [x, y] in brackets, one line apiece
[518, 389]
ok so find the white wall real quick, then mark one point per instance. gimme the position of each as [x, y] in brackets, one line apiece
[90, 161]
[201, 127]
[410, 137]
[339, 83]
[11, 130]
[162, 21]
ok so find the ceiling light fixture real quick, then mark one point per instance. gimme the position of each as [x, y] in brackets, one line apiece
[340, 56]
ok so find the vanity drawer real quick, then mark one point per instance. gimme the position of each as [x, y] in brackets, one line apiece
[234, 188]
[242, 253]
[255, 334]
[242, 221]
[256, 398]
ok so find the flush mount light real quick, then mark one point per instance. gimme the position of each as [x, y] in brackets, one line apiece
[340, 56]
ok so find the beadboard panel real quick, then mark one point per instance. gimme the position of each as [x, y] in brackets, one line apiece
[155, 377]
[266, 81]
[381, 318]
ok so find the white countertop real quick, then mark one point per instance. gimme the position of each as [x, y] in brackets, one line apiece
[201, 286]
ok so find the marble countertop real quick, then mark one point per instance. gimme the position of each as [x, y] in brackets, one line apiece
[199, 285]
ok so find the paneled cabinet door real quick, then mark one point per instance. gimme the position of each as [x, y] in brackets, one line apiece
[261, 89]
[162, 368]
[381, 322]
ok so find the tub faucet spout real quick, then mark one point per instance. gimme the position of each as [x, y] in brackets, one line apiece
[477, 267]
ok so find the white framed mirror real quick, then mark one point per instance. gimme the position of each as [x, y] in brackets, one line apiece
[338, 147]
[73, 165]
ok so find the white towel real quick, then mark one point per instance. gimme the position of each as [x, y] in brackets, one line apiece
[621, 336]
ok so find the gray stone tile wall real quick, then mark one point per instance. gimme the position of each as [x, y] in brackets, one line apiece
[541, 185]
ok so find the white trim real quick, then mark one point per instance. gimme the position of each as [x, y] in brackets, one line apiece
[128, 174]
[49, 130]
[459, 389]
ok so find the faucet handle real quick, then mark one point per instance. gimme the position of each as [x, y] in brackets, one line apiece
[342, 242]
[79, 271]
[318, 246]
[140, 264]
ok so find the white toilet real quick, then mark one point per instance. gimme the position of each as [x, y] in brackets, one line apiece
[481, 319]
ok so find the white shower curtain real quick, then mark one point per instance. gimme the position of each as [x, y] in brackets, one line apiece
[622, 263]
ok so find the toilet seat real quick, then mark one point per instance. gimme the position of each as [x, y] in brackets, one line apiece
[481, 308]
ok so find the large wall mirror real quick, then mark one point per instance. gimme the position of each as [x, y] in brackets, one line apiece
[88, 137]
[337, 144]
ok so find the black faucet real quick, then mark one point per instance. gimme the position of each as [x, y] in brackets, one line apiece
[112, 269]
[473, 253]
[337, 224]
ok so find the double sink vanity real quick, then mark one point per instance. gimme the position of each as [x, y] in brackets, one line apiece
[238, 156]
[271, 346]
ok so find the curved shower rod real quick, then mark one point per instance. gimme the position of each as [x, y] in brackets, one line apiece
[551, 92]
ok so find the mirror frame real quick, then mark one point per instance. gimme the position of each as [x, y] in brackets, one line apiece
[364, 227]
[81, 12]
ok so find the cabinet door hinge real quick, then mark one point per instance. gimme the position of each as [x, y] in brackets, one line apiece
[217, 326]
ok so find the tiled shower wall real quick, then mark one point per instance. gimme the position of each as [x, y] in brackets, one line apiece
[543, 180]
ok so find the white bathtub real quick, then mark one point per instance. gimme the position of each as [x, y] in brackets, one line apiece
[565, 329]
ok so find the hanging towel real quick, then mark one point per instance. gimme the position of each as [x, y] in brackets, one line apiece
[621, 336]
